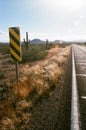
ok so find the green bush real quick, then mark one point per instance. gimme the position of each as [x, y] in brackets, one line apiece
[4, 48]
[35, 52]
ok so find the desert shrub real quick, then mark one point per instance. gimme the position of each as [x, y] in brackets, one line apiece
[4, 48]
[1, 75]
[35, 52]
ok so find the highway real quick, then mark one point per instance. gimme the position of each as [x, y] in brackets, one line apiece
[80, 75]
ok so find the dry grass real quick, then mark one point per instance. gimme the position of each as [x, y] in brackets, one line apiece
[35, 81]
[41, 76]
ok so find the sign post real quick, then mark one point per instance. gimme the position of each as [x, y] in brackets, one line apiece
[17, 77]
[15, 50]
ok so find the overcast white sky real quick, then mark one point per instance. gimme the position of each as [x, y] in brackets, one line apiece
[44, 19]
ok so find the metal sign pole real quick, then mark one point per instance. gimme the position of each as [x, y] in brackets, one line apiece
[15, 50]
[17, 78]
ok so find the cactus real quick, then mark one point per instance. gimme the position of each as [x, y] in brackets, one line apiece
[27, 42]
[47, 43]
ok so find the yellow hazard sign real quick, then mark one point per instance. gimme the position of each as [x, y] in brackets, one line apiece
[15, 45]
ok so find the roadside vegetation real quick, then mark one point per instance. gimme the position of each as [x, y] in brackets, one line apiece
[4, 48]
[35, 52]
[36, 81]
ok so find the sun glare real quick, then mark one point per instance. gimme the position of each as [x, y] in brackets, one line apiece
[63, 4]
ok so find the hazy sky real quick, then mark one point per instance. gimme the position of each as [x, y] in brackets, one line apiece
[44, 19]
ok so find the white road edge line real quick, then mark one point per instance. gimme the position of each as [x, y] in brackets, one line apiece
[75, 123]
[80, 63]
[82, 75]
[83, 97]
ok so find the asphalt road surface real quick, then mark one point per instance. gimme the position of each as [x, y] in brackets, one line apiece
[80, 62]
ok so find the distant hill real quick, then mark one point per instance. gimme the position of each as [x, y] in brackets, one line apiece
[58, 41]
[4, 42]
[36, 41]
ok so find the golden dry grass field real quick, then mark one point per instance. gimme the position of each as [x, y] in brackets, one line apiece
[36, 80]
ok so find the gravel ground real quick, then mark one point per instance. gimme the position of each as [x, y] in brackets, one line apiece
[53, 112]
